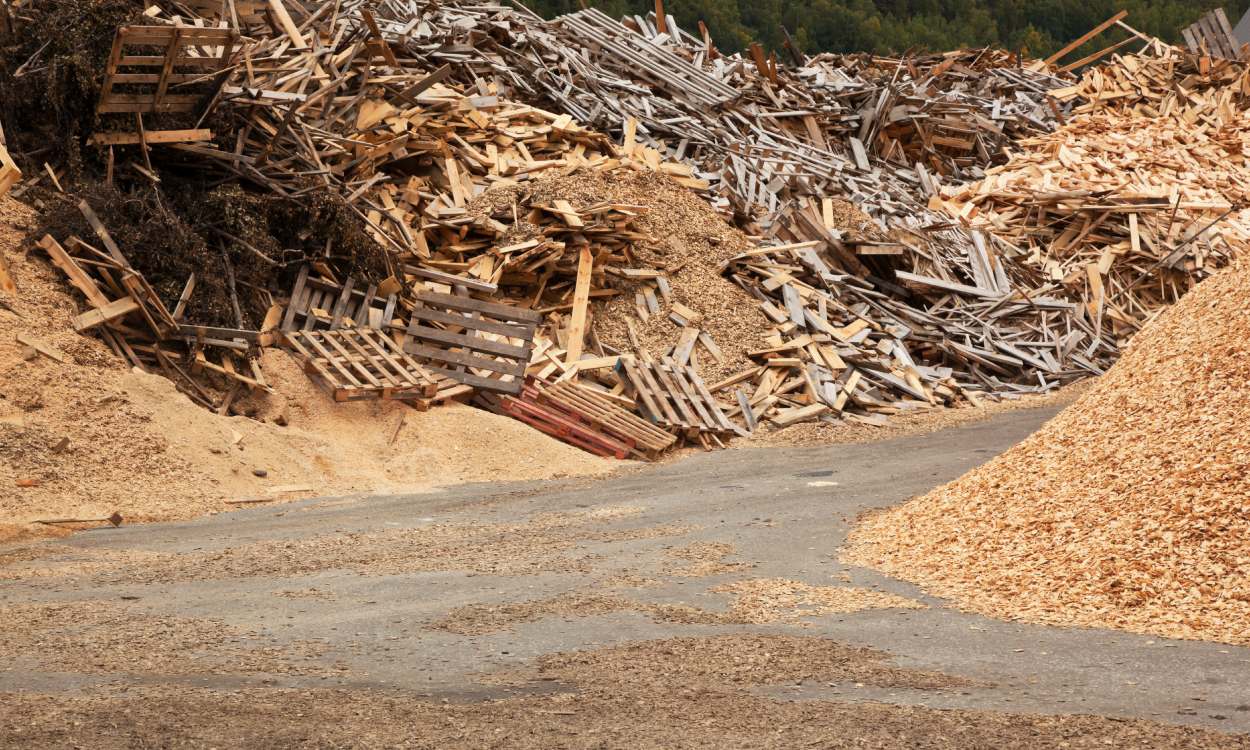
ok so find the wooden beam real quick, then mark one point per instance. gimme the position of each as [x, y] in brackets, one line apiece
[158, 136]
[284, 20]
[1097, 30]
[77, 276]
[92, 318]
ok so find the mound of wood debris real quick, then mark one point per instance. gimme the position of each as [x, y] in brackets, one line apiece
[1129, 510]
[465, 139]
[1136, 198]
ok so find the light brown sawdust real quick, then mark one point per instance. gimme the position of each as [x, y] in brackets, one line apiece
[549, 544]
[98, 636]
[140, 448]
[854, 223]
[738, 660]
[765, 600]
[477, 619]
[707, 559]
[1130, 510]
[604, 712]
[758, 601]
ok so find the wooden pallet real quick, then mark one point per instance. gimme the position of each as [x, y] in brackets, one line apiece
[352, 364]
[195, 52]
[342, 305]
[471, 340]
[675, 397]
[1214, 34]
[572, 418]
[643, 438]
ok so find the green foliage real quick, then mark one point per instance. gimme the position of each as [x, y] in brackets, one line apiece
[1043, 27]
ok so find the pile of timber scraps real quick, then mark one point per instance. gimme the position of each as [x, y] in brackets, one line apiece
[843, 350]
[760, 131]
[404, 146]
[1162, 81]
[409, 117]
[1133, 202]
[131, 318]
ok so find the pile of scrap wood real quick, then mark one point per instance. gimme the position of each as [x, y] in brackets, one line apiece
[1135, 200]
[932, 293]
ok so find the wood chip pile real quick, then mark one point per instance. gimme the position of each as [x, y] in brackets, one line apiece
[840, 170]
[1130, 510]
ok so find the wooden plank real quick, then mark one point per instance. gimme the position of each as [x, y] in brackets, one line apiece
[288, 26]
[1089, 35]
[798, 415]
[446, 278]
[581, 299]
[489, 309]
[948, 286]
[218, 333]
[26, 339]
[103, 234]
[151, 136]
[77, 276]
[183, 298]
[109, 311]
[511, 330]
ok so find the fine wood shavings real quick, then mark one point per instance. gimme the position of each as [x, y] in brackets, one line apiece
[1130, 510]
[764, 600]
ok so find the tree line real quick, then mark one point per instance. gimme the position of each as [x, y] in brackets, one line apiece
[1037, 27]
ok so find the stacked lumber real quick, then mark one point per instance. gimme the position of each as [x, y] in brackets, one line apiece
[1126, 511]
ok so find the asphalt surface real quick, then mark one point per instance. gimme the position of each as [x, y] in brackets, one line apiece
[786, 510]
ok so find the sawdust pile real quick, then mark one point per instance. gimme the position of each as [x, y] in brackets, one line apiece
[1130, 510]
[139, 447]
[738, 660]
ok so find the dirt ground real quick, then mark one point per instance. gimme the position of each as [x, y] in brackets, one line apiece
[658, 614]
